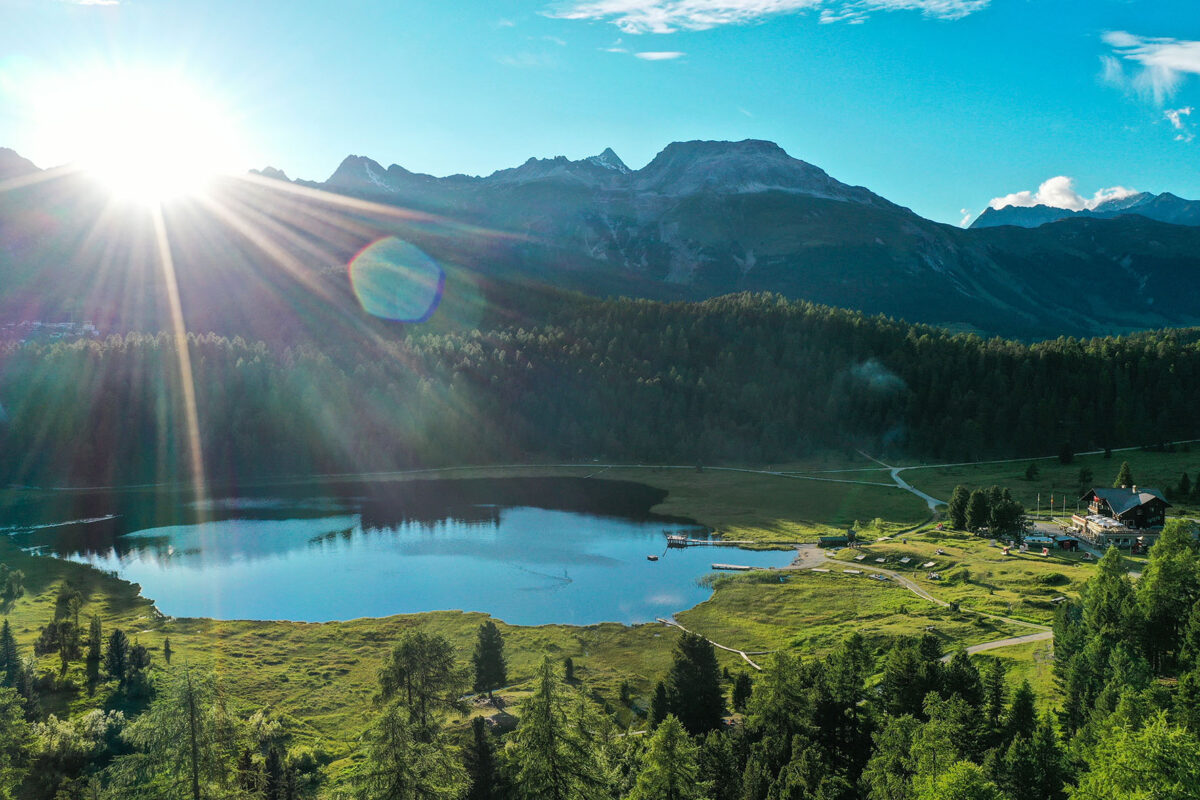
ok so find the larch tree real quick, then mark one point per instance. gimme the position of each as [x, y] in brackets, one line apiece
[551, 756]
[185, 744]
[669, 766]
[405, 761]
[422, 675]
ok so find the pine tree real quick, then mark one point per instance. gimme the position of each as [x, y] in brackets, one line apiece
[405, 760]
[995, 693]
[1124, 477]
[1022, 713]
[694, 692]
[659, 705]
[480, 759]
[743, 687]
[10, 657]
[491, 672]
[978, 510]
[957, 507]
[95, 640]
[421, 674]
[116, 656]
[670, 769]
[166, 650]
[554, 759]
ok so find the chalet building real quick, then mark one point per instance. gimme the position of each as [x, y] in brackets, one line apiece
[1125, 517]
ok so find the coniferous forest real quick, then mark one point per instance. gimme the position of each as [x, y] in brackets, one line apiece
[743, 378]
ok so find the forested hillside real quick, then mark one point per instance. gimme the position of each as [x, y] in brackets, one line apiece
[738, 378]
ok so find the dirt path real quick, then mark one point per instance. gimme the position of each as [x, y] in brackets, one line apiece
[745, 656]
[809, 556]
[1040, 636]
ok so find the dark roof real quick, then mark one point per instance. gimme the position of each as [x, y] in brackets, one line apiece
[1122, 500]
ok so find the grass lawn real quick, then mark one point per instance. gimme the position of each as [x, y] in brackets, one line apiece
[979, 576]
[1033, 662]
[813, 612]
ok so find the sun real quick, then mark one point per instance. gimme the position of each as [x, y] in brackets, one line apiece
[147, 137]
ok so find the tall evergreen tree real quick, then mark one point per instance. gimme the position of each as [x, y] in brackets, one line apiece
[491, 671]
[116, 656]
[1124, 476]
[956, 509]
[978, 510]
[480, 760]
[185, 744]
[995, 695]
[553, 758]
[694, 691]
[405, 760]
[670, 769]
[10, 657]
[1022, 713]
[422, 674]
[659, 704]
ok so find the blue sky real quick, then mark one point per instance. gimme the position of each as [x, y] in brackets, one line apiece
[939, 105]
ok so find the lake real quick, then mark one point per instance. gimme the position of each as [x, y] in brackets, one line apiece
[529, 552]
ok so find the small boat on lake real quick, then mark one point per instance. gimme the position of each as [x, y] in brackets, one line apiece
[652, 558]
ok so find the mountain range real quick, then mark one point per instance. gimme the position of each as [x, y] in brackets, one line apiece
[1164, 207]
[701, 219]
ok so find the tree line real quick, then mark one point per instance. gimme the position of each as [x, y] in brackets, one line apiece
[750, 378]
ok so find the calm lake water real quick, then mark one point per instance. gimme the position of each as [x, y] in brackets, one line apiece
[547, 551]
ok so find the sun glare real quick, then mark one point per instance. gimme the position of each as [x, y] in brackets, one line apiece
[146, 137]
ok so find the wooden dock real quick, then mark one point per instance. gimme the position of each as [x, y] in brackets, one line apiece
[683, 541]
[735, 567]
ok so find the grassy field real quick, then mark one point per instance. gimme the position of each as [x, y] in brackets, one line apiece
[1159, 470]
[978, 575]
[813, 612]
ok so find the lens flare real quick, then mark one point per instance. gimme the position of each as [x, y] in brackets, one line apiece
[395, 280]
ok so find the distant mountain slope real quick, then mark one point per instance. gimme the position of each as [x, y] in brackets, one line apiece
[701, 219]
[1164, 207]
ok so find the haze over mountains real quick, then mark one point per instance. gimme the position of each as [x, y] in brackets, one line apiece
[701, 219]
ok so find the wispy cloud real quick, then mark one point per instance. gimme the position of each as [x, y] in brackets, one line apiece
[529, 60]
[505, 23]
[93, 2]
[1176, 116]
[660, 55]
[1159, 64]
[1059, 192]
[966, 220]
[667, 16]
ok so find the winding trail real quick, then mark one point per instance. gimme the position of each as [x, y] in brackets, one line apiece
[745, 656]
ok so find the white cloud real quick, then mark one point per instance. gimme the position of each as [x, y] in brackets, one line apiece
[667, 16]
[1176, 117]
[966, 220]
[1059, 192]
[659, 55]
[94, 2]
[1161, 63]
[528, 60]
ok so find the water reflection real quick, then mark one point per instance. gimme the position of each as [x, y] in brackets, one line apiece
[399, 548]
